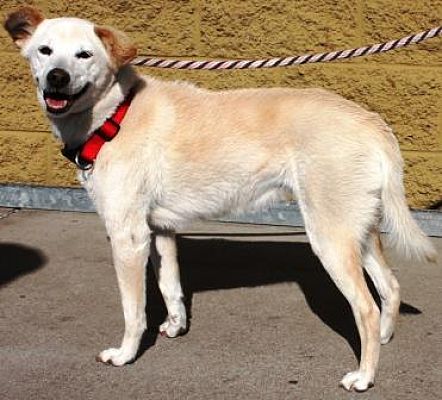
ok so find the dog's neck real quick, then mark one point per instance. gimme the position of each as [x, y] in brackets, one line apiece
[75, 129]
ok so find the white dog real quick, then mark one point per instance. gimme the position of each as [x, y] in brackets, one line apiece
[184, 153]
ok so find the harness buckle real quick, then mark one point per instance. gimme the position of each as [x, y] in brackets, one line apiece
[108, 130]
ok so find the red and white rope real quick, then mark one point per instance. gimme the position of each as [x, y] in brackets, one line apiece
[287, 61]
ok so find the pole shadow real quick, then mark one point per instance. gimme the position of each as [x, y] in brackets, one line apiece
[17, 260]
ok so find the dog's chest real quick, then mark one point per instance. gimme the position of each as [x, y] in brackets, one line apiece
[85, 179]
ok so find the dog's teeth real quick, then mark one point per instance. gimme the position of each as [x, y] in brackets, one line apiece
[56, 104]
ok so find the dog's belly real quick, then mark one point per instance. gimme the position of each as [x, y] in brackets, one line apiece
[179, 208]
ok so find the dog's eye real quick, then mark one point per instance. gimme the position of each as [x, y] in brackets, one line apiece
[47, 51]
[84, 54]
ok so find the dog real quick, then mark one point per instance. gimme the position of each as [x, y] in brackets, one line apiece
[156, 155]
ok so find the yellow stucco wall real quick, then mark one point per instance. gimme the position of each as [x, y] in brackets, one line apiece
[404, 86]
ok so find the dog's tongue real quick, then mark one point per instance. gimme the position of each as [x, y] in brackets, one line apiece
[56, 104]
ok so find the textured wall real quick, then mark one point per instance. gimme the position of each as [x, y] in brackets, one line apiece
[404, 86]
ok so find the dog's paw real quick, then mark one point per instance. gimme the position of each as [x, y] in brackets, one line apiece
[386, 337]
[115, 357]
[387, 331]
[357, 380]
[173, 326]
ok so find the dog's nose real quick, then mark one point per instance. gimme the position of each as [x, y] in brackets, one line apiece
[58, 78]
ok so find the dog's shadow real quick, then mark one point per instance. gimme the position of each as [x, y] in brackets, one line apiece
[17, 260]
[224, 264]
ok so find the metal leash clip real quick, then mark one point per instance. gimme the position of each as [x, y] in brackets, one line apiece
[83, 165]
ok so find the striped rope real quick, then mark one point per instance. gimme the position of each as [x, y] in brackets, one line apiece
[287, 61]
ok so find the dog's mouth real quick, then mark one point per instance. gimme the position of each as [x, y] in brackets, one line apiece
[59, 103]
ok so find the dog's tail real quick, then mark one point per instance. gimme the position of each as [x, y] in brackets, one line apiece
[404, 233]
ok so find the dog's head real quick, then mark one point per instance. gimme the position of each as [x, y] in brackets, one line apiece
[72, 60]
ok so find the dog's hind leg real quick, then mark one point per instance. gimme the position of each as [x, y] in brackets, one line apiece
[336, 240]
[130, 239]
[386, 284]
[340, 255]
[165, 263]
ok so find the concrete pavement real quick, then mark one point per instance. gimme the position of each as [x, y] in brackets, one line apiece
[266, 321]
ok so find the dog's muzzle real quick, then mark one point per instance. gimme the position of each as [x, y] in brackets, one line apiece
[56, 95]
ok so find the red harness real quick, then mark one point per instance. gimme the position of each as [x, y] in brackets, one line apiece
[84, 156]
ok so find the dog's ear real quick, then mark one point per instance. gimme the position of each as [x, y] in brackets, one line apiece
[22, 23]
[121, 50]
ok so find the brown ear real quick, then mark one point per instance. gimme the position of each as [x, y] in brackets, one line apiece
[22, 23]
[117, 44]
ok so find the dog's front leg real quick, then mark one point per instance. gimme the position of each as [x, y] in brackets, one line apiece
[130, 247]
[165, 263]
